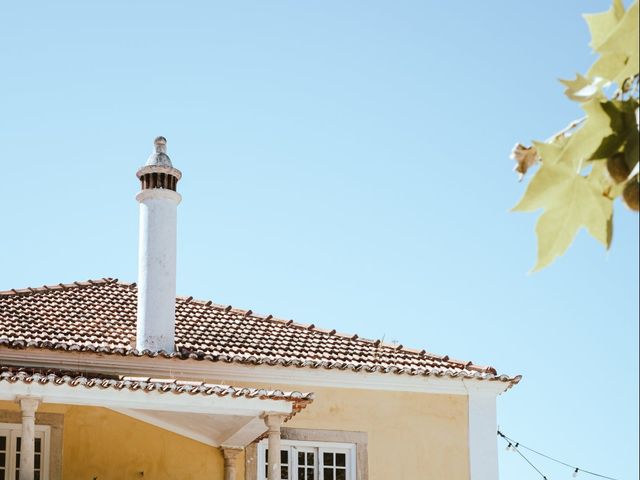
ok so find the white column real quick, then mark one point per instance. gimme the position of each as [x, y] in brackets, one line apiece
[483, 439]
[273, 422]
[28, 406]
[157, 269]
[230, 454]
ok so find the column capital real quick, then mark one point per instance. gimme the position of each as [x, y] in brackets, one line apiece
[230, 453]
[28, 405]
[273, 421]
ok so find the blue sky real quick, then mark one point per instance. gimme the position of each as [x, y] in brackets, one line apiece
[345, 164]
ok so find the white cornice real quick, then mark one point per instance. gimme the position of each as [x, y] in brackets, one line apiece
[232, 373]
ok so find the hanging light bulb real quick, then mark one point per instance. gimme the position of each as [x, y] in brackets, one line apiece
[575, 473]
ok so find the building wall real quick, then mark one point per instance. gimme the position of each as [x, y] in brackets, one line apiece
[410, 436]
[100, 444]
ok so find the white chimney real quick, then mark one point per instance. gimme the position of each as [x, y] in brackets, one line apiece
[157, 251]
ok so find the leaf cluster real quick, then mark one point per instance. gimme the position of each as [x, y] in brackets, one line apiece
[584, 167]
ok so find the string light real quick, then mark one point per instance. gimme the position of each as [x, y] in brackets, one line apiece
[513, 445]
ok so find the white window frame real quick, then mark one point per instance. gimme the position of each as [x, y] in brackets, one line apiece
[292, 446]
[12, 431]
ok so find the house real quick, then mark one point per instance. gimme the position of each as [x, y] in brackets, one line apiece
[110, 380]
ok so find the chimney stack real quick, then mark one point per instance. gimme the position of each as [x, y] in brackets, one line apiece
[158, 201]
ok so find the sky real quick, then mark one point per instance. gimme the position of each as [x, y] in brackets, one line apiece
[344, 164]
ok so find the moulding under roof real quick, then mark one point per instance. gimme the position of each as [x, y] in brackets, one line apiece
[232, 373]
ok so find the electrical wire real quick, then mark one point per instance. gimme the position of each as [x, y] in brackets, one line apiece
[515, 449]
[573, 467]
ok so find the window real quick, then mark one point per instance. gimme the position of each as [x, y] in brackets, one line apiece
[10, 443]
[302, 460]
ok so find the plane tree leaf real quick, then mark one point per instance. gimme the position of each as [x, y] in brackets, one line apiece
[602, 24]
[582, 88]
[575, 204]
[589, 164]
[617, 43]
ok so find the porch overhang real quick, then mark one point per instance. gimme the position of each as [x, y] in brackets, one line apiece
[217, 415]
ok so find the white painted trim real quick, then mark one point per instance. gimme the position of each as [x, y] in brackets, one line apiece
[318, 447]
[12, 431]
[230, 373]
[245, 434]
[483, 440]
[144, 400]
[158, 193]
[172, 427]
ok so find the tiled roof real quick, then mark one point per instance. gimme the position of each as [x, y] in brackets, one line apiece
[77, 379]
[100, 316]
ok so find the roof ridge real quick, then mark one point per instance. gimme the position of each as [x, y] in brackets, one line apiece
[62, 286]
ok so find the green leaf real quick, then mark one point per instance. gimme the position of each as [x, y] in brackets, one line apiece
[622, 119]
[545, 187]
[616, 40]
[583, 142]
[608, 147]
[631, 150]
[582, 89]
[600, 179]
[588, 138]
[579, 203]
[601, 24]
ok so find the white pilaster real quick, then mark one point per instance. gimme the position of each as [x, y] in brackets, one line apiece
[157, 269]
[483, 440]
[28, 407]
[273, 422]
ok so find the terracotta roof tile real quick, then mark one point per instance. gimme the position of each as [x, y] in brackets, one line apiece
[100, 316]
[74, 379]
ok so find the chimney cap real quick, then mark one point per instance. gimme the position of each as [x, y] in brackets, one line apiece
[159, 156]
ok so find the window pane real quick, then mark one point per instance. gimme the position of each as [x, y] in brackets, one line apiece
[18, 443]
[36, 461]
[328, 474]
[341, 459]
[284, 457]
[3, 443]
[310, 458]
[3, 460]
[266, 463]
[284, 473]
[36, 475]
[341, 475]
[310, 474]
[327, 458]
[301, 458]
[301, 475]
[38, 445]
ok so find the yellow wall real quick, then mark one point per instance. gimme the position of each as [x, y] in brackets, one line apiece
[411, 436]
[100, 443]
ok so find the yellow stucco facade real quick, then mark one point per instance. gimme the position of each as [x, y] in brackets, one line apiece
[410, 436]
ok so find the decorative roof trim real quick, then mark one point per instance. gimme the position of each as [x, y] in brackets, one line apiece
[251, 374]
[56, 377]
